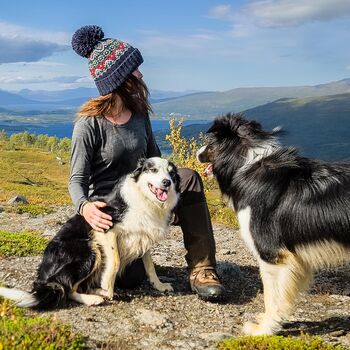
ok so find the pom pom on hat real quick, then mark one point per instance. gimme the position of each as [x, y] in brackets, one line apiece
[85, 39]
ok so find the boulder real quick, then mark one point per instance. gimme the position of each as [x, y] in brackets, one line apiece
[18, 200]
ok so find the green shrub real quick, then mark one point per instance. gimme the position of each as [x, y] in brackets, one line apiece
[20, 332]
[184, 156]
[219, 210]
[32, 209]
[305, 342]
[26, 243]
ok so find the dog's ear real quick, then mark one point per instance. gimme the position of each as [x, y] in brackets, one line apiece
[214, 128]
[137, 172]
[220, 128]
[248, 129]
[175, 176]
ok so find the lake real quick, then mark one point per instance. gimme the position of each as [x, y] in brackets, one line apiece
[65, 129]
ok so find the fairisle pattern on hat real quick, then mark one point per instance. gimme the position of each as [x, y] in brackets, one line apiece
[104, 56]
[111, 61]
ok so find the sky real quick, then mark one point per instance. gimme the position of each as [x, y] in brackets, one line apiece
[186, 44]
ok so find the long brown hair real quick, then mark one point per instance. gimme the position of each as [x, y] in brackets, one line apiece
[132, 94]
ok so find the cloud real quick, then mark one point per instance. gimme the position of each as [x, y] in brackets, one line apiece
[41, 64]
[24, 50]
[221, 12]
[168, 45]
[280, 13]
[20, 44]
[287, 13]
[41, 79]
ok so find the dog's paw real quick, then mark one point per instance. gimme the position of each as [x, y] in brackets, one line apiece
[164, 287]
[107, 294]
[94, 300]
[252, 328]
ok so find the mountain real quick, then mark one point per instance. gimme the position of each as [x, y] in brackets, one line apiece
[210, 104]
[58, 95]
[187, 104]
[82, 94]
[9, 98]
[319, 126]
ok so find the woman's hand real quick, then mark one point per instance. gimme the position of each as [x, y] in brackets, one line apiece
[97, 219]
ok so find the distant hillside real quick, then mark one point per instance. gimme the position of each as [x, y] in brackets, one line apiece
[187, 104]
[211, 104]
[70, 98]
[319, 126]
[58, 95]
[9, 98]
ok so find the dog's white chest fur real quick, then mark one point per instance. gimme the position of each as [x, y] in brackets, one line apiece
[137, 234]
[143, 225]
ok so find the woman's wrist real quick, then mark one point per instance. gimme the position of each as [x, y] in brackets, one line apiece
[82, 205]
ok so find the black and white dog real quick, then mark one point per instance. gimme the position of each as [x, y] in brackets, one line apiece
[294, 212]
[81, 264]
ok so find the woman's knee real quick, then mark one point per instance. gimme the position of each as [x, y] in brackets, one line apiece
[190, 180]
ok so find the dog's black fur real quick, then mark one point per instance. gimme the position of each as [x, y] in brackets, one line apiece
[294, 202]
[70, 256]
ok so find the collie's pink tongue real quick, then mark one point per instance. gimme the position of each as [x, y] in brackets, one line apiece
[208, 171]
[161, 194]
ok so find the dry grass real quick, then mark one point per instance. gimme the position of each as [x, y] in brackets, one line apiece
[35, 174]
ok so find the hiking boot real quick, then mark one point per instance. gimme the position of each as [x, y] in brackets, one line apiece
[205, 282]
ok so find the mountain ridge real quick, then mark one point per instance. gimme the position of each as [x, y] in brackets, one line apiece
[318, 126]
[187, 104]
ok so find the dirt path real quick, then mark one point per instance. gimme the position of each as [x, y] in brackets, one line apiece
[145, 319]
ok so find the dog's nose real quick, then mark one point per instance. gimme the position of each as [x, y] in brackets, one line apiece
[166, 183]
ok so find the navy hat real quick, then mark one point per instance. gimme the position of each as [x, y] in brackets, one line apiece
[111, 61]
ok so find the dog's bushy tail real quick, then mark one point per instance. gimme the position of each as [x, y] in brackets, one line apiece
[45, 295]
[21, 298]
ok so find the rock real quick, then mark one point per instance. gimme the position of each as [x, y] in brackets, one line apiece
[151, 318]
[214, 336]
[50, 232]
[18, 200]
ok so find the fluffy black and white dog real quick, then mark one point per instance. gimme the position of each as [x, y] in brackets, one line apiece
[81, 264]
[294, 212]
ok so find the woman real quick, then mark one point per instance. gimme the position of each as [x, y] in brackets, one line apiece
[112, 132]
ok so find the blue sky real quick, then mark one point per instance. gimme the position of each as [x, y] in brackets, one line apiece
[186, 44]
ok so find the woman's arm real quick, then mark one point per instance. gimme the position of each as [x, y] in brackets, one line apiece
[83, 141]
[83, 144]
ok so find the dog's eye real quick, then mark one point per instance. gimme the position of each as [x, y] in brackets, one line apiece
[153, 170]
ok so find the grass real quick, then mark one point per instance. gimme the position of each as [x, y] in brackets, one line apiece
[35, 174]
[220, 212]
[26, 243]
[38, 176]
[32, 209]
[305, 342]
[21, 332]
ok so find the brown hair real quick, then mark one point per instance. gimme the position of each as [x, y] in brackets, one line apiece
[132, 94]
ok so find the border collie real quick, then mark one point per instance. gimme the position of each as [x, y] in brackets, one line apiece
[81, 264]
[294, 212]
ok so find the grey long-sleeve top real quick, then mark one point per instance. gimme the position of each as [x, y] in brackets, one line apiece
[103, 152]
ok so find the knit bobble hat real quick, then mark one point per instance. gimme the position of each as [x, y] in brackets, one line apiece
[111, 61]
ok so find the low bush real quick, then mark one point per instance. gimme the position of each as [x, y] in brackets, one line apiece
[305, 342]
[20, 332]
[32, 209]
[26, 243]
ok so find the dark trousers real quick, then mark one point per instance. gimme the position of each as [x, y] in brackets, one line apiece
[192, 215]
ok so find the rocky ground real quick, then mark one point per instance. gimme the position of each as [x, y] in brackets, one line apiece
[146, 319]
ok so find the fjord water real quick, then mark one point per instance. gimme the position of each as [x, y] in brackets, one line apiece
[65, 129]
